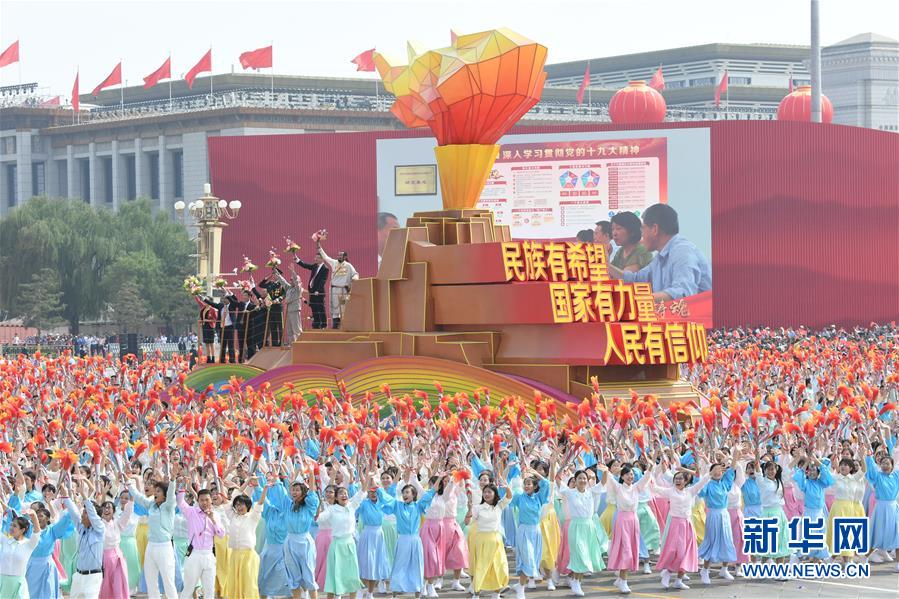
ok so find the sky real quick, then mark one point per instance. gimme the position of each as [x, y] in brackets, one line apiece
[319, 38]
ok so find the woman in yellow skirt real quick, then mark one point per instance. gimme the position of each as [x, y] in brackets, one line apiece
[142, 531]
[220, 544]
[484, 478]
[489, 567]
[243, 561]
[607, 518]
[849, 490]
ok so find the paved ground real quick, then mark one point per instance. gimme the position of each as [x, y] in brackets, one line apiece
[883, 584]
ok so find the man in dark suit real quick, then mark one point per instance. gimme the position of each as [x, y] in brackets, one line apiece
[243, 314]
[317, 281]
[227, 313]
[274, 326]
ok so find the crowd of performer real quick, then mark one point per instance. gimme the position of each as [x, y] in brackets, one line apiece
[268, 313]
[118, 479]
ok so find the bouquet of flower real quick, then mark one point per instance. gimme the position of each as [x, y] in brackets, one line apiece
[292, 247]
[320, 235]
[193, 285]
[248, 266]
[219, 283]
[245, 286]
[273, 259]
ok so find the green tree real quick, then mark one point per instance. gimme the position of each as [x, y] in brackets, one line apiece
[129, 311]
[41, 300]
[94, 253]
[67, 236]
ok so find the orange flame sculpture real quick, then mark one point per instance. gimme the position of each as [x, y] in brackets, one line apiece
[469, 94]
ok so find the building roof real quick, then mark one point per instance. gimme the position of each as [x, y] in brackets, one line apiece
[867, 38]
[761, 52]
[235, 81]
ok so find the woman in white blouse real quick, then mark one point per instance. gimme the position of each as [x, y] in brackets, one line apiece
[849, 488]
[342, 574]
[487, 557]
[584, 551]
[15, 551]
[679, 551]
[771, 491]
[115, 568]
[243, 561]
[624, 553]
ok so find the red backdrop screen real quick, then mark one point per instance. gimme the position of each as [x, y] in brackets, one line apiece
[804, 217]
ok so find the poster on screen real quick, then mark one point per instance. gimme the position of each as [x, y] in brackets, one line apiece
[552, 186]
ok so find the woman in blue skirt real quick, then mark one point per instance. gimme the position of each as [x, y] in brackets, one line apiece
[718, 543]
[41, 574]
[528, 539]
[813, 481]
[371, 546]
[272, 579]
[299, 511]
[408, 573]
[885, 516]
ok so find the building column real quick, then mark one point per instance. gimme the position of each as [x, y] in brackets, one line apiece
[116, 173]
[51, 177]
[94, 176]
[23, 167]
[74, 186]
[164, 204]
[138, 168]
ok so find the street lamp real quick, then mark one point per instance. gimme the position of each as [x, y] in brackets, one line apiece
[207, 214]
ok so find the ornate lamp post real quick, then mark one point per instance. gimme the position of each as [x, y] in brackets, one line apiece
[207, 214]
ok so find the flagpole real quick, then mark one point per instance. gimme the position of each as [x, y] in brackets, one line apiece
[122, 88]
[727, 98]
[589, 92]
[170, 82]
[272, 42]
[210, 74]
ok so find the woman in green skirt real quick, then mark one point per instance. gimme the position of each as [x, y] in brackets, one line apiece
[15, 551]
[128, 544]
[342, 577]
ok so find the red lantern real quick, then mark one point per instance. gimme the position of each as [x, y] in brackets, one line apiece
[637, 103]
[797, 106]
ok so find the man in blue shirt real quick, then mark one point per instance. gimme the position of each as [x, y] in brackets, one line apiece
[679, 268]
[89, 561]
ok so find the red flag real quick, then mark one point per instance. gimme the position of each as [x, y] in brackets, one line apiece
[163, 72]
[658, 80]
[76, 102]
[365, 61]
[257, 59]
[721, 89]
[204, 66]
[114, 78]
[453, 36]
[49, 103]
[10, 55]
[583, 87]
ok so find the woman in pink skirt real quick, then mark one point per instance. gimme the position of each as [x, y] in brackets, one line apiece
[734, 498]
[115, 569]
[442, 540]
[323, 541]
[624, 553]
[679, 552]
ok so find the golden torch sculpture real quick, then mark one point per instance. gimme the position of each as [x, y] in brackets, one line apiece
[469, 94]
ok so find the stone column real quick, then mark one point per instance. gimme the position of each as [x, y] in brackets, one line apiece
[23, 167]
[94, 175]
[72, 184]
[164, 203]
[139, 168]
[116, 173]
